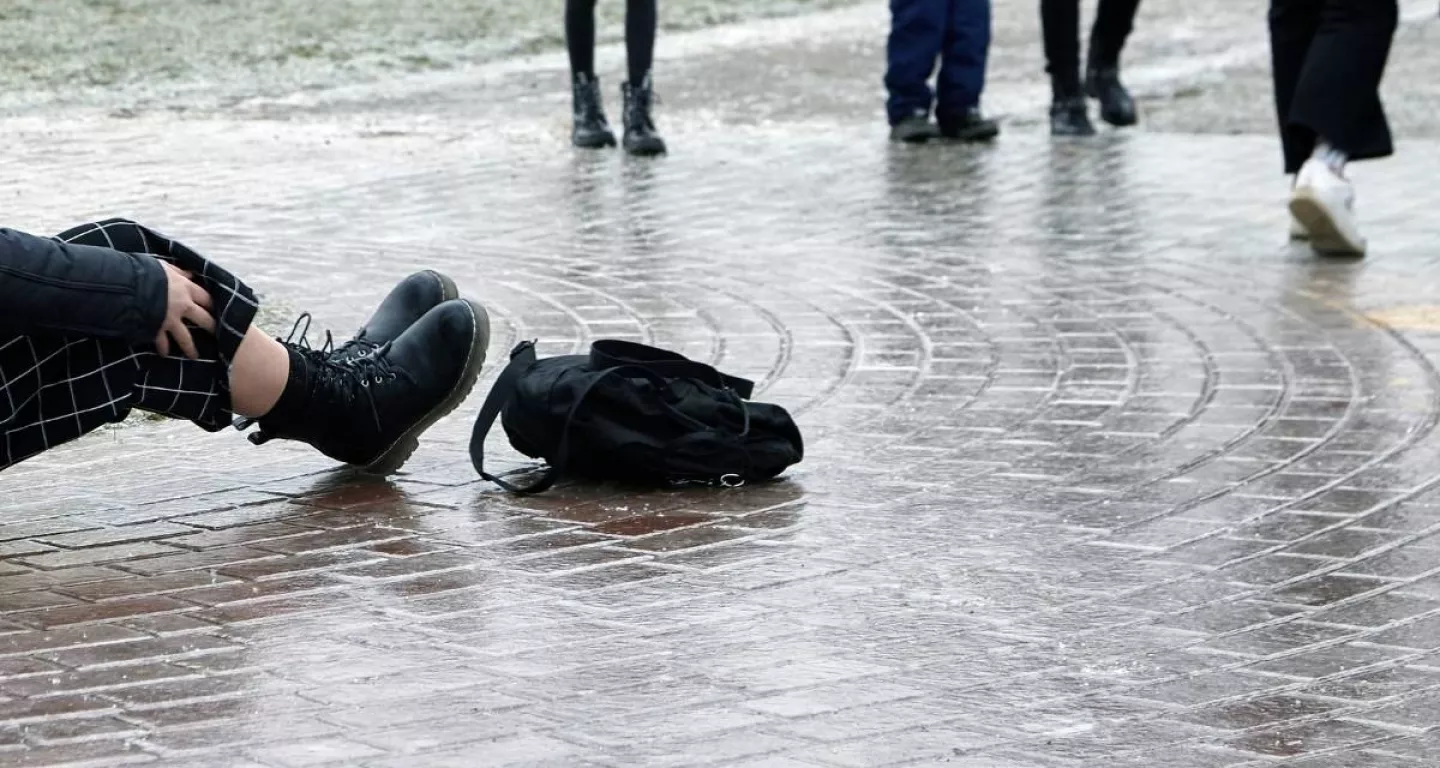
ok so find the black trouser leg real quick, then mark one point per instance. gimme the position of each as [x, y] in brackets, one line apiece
[1328, 60]
[1060, 29]
[1114, 21]
[54, 389]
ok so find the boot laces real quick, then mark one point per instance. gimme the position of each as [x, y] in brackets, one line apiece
[339, 381]
[642, 99]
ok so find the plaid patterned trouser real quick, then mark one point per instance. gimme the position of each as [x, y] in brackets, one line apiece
[54, 389]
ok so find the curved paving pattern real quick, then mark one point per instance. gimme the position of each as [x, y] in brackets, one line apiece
[1099, 471]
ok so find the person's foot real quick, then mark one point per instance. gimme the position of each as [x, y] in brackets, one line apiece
[915, 129]
[405, 304]
[1323, 202]
[641, 137]
[1117, 107]
[369, 411]
[969, 125]
[1070, 116]
[591, 130]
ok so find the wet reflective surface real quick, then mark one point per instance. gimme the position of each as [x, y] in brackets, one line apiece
[1098, 471]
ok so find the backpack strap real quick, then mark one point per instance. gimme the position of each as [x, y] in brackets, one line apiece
[613, 353]
[520, 359]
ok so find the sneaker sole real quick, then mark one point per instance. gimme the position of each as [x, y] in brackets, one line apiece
[1326, 236]
[405, 446]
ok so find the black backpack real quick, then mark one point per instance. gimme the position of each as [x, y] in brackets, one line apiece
[635, 414]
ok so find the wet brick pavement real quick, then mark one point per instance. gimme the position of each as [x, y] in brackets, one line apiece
[1100, 471]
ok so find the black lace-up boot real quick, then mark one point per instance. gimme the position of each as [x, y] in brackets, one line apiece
[1070, 117]
[591, 130]
[1069, 114]
[1117, 107]
[405, 304]
[369, 409]
[640, 135]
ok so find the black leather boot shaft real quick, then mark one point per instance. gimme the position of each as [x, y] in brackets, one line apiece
[641, 138]
[1117, 107]
[591, 129]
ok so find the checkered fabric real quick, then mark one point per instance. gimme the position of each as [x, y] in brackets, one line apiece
[54, 389]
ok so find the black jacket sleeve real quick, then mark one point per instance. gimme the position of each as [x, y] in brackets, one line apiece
[47, 286]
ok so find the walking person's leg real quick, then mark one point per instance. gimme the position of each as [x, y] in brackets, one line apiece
[590, 130]
[641, 21]
[1334, 115]
[1293, 24]
[1114, 21]
[964, 54]
[1060, 31]
[917, 31]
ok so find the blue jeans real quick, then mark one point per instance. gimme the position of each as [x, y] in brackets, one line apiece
[957, 32]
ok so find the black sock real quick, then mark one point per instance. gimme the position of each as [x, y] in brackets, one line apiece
[641, 18]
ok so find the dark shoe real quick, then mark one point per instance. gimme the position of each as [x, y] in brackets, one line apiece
[969, 125]
[1116, 106]
[369, 411]
[640, 135]
[1070, 117]
[591, 130]
[406, 303]
[916, 129]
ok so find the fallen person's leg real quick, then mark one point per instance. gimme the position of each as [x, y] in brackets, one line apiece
[365, 403]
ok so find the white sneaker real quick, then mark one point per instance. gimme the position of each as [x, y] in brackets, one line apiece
[1297, 230]
[1323, 203]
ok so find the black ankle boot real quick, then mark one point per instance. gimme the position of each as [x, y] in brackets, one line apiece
[1116, 105]
[370, 410]
[640, 135]
[405, 304]
[591, 130]
[970, 125]
[1069, 116]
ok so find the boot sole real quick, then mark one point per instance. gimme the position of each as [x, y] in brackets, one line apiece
[973, 135]
[1120, 121]
[405, 446]
[1326, 235]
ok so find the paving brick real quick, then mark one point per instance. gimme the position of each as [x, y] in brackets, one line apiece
[103, 536]
[137, 648]
[95, 679]
[329, 540]
[136, 586]
[215, 559]
[92, 556]
[88, 614]
[96, 753]
[316, 752]
[31, 641]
